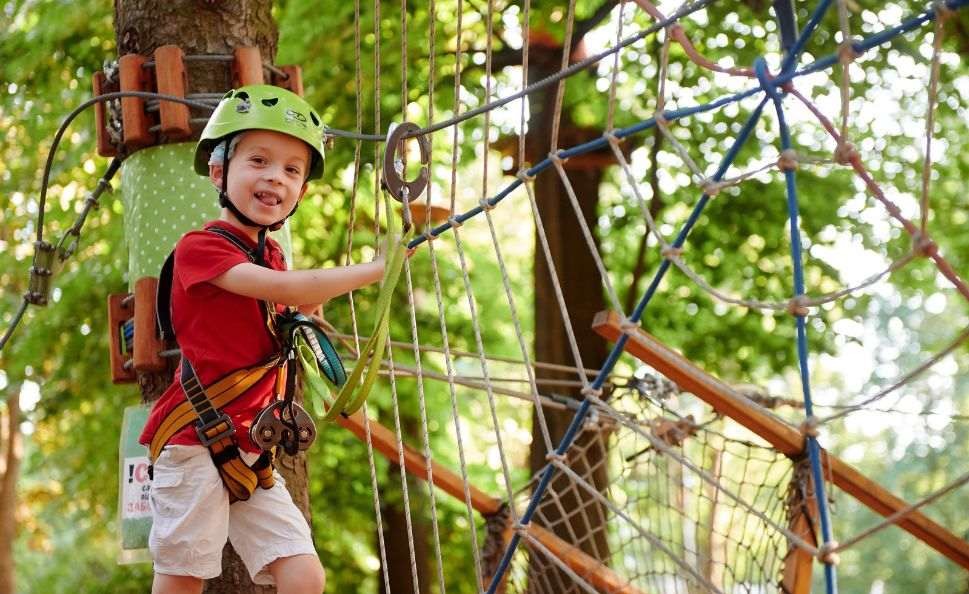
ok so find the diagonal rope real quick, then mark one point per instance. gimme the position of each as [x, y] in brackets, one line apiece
[905, 379]
[903, 513]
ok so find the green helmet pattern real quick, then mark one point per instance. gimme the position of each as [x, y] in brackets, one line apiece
[262, 107]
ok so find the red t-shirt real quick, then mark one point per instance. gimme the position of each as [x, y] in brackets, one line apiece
[218, 331]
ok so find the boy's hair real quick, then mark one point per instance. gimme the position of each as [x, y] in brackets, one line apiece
[219, 152]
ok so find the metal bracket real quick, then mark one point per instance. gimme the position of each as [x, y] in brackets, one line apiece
[393, 182]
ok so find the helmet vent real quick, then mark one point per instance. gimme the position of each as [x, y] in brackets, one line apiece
[270, 102]
[227, 95]
[316, 120]
[244, 96]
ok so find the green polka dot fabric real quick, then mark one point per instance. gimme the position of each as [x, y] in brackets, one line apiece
[164, 199]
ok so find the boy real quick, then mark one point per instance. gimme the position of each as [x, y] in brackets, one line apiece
[260, 148]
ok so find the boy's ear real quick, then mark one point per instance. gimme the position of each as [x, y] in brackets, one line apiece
[215, 176]
[303, 190]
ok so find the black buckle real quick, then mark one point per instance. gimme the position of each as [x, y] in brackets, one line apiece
[200, 430]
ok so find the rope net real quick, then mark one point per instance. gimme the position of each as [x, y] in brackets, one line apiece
[648, 489]
[661, 520]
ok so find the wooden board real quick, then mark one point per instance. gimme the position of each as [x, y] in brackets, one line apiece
[781, 435]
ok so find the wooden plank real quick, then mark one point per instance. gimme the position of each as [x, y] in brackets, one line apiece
[588, 568]
[781, 435]
[802, 509]
[385, 442]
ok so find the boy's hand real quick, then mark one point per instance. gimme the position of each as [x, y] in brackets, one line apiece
[410, 251]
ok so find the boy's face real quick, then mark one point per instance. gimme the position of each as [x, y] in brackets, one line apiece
[267, 174]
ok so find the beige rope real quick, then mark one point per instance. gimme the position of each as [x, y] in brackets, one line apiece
[930, 122]
[560, 86]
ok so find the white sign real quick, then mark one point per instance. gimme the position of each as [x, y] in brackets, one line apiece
[135, 488]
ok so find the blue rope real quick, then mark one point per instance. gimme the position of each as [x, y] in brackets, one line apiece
[781, 79]
[814, 449]
[792, 54]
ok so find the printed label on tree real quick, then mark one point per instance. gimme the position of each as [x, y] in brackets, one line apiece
[135, 489]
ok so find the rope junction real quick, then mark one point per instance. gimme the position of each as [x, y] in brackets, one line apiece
[713, 532]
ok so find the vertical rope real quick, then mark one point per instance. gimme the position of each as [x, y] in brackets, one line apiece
[454, 407]
[428, 459]
[556, 285]
[587, 234]
[479, 343]
[814, 449]
[611, 114]
[526, 42]
[374, 485]
[488, 81]
[560, 86]
[846, 55]
[930, 122]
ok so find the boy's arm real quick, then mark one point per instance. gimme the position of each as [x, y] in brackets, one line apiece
[298, 287]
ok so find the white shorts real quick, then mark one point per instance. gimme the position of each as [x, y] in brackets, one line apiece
[192, 518]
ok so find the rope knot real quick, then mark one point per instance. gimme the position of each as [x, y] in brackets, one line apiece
[845, 154]
[810, 427]
[590, 392]
[454, 222]
[847, 53]
[611, 137]
[429, 236]
[798, 306]
[660, 118]
[628, 325]
[787, 160]
[555, 157]
[924, 246]
[671, 253]
[554, 457]
[711, 187]
[765, 79]
[828, 553]
[524, 175]
[942, 10]
[485, 205]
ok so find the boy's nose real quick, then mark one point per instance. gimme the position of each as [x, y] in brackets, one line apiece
[272, 174]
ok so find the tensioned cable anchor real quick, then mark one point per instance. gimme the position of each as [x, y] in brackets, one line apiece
[38, 291]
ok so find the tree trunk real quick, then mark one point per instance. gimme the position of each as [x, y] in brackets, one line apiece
[197, 27]
[12, 453]
[399, 572]
[582, 291]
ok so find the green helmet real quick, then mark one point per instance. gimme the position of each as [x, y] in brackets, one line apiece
[262, 107]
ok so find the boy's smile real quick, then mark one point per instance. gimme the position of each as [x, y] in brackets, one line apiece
[267, 174]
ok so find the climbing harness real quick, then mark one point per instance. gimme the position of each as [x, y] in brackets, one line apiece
[282, 423]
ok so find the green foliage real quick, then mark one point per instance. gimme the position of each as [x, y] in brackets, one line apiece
[740, 245]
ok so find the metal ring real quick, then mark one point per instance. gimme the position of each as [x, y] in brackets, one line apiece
[392, 180]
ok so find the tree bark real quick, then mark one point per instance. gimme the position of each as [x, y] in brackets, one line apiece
[208, 27]
[12, 453]
[582, 291]
[399, 572]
